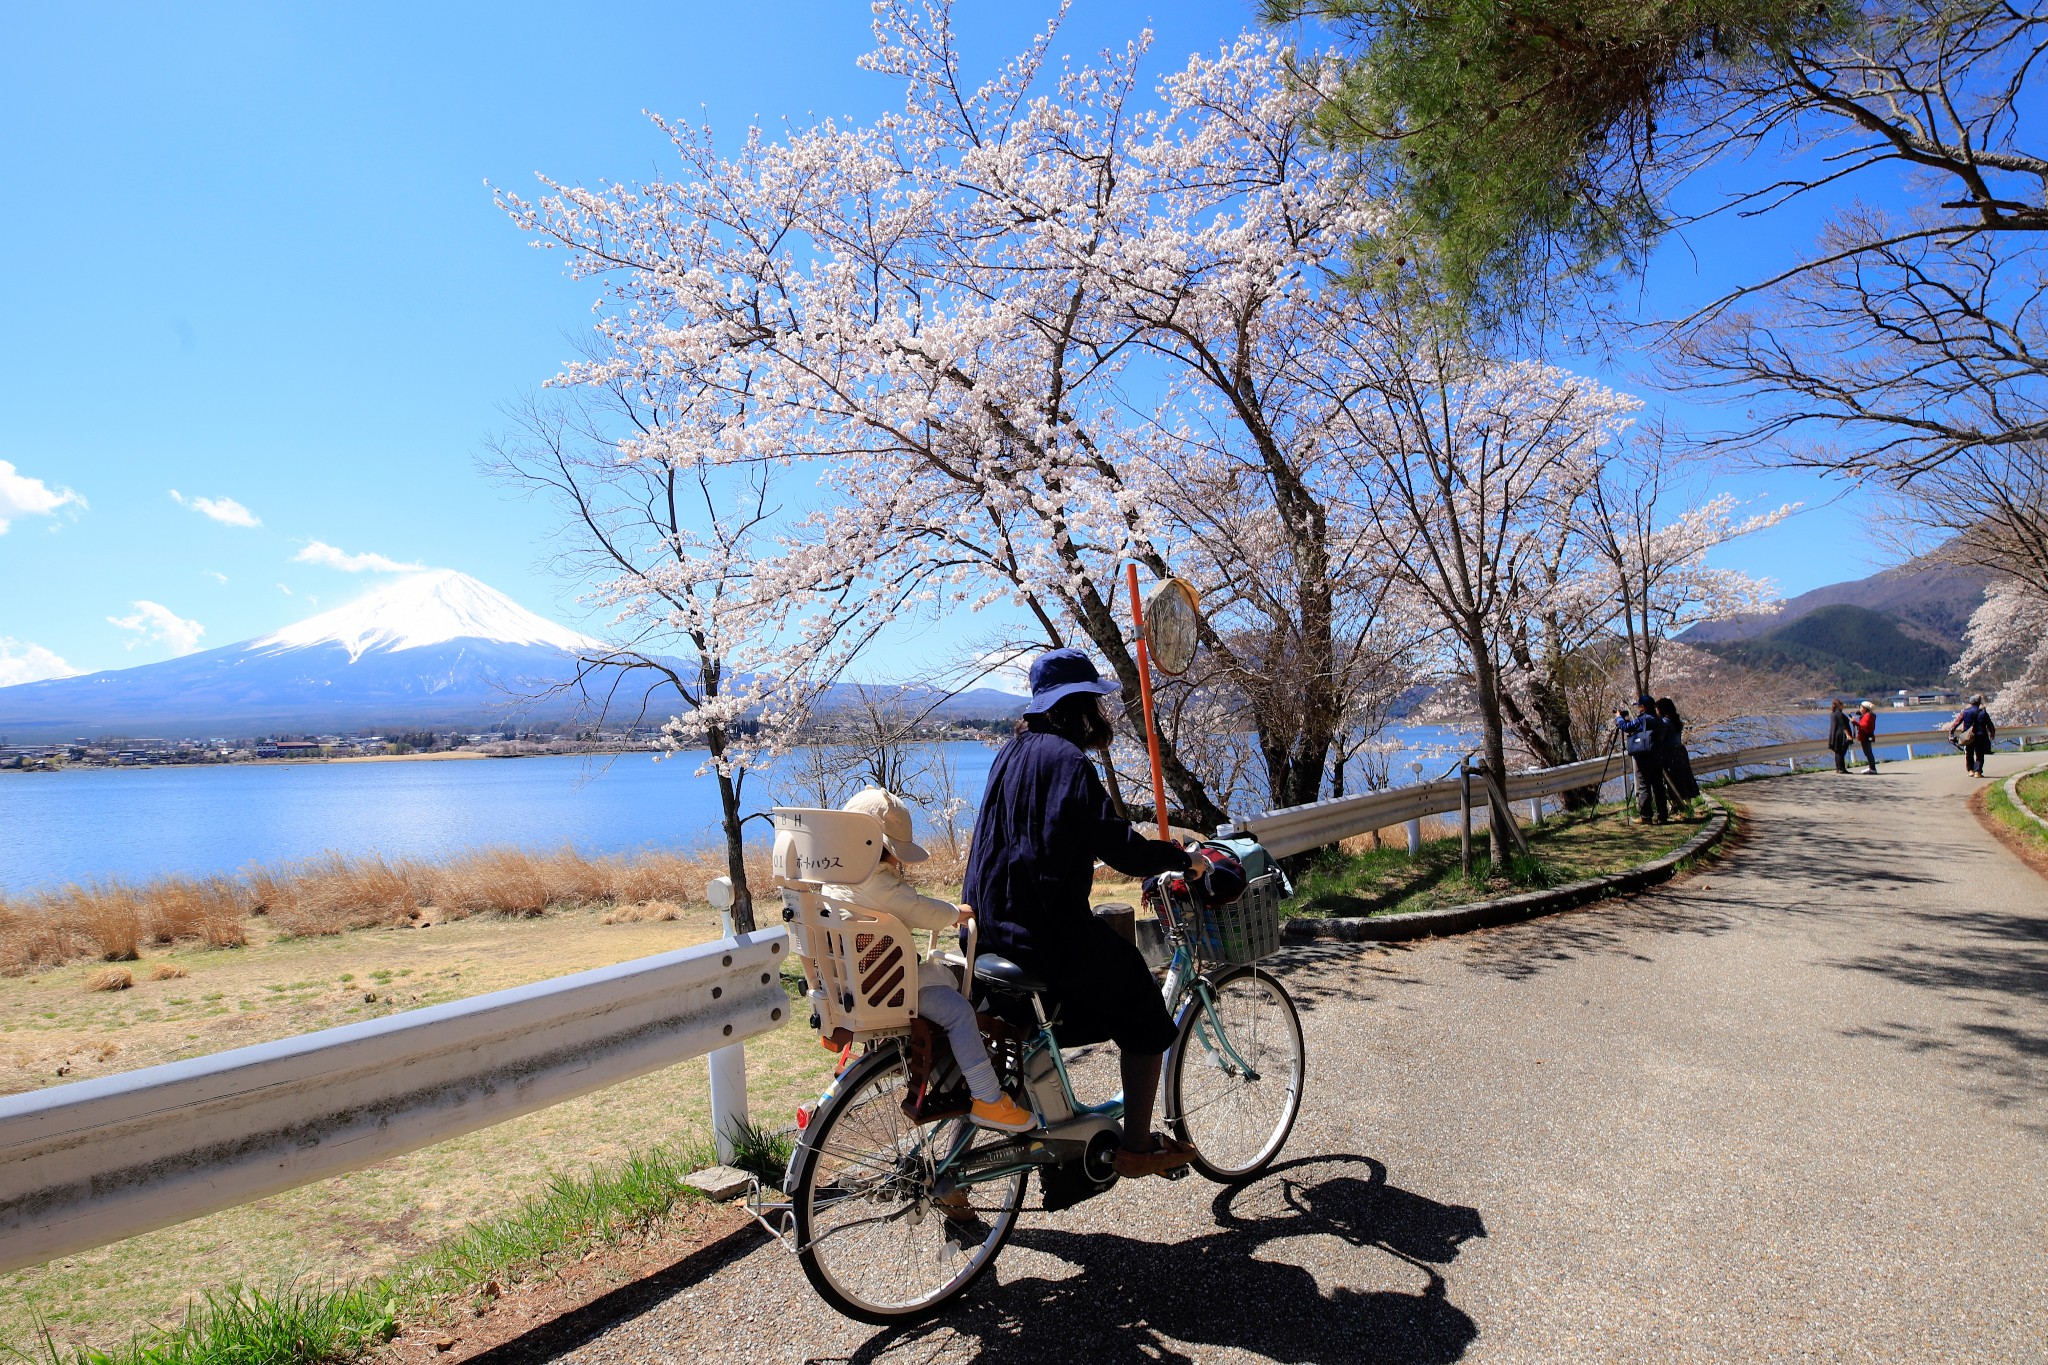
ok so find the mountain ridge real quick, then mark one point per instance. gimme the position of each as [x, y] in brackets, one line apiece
[434, 649]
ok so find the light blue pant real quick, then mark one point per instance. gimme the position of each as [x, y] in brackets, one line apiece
[945, 1007]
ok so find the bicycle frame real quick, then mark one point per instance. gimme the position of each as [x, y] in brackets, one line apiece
[1183, 984]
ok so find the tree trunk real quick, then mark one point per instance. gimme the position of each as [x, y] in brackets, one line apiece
[735, 848]
[1486, 683]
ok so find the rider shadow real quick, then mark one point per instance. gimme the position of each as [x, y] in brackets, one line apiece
[1132, 1300]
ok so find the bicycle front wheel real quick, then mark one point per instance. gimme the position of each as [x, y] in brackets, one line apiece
[1233, 1082]
[874, 1236]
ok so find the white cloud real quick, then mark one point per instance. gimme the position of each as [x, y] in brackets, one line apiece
[283, 589]
[320, 552]
[23, 661]
[22, 496]
[226, 511]
[216, 575]
[153, 622]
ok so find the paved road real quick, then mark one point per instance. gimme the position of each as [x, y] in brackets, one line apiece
[1796, 1108]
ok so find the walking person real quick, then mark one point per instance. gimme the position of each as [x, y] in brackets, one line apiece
[1838, 736]
[1677, 763]
[1645, 735]
[1865, 726]
[1978, 733]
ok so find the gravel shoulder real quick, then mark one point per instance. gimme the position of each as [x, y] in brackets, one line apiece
[1795, 1107]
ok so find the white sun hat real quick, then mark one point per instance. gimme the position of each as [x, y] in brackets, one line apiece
[888, 808]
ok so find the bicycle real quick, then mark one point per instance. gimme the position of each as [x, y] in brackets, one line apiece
[897, 1207]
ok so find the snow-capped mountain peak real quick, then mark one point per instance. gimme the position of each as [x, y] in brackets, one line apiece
[424, 609]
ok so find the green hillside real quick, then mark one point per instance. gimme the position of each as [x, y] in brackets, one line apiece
[1851, 648]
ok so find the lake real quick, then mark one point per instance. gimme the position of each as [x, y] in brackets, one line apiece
[140, 822]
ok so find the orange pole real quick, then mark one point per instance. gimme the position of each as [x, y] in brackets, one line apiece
[1145, 692]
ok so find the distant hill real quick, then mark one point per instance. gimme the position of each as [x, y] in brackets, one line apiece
[1926, 600]
[1852, 648]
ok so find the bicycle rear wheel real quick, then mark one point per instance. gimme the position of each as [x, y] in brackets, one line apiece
[871, 1237]
[1233, 1081]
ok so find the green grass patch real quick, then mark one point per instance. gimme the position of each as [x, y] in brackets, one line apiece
[1565, 848]
[2002, 809]
[2033, 791]
[309, 1321]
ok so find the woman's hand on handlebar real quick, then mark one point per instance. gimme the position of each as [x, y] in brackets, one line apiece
[1198, 863]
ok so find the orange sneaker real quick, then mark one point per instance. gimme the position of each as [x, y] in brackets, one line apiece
[1005, 1113]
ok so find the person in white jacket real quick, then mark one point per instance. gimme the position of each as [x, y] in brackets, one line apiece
[938, 989]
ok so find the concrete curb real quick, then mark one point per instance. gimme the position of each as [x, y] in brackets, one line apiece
[2012, 794]
[1508, 909]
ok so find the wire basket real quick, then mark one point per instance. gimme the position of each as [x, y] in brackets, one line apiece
[1242, 932]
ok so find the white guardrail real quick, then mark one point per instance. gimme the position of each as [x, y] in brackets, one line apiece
[95, 1161]
[1296, 829]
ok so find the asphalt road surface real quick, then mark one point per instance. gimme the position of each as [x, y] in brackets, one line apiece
[1795, 1108]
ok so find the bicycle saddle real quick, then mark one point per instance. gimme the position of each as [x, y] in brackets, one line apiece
[1000, 971]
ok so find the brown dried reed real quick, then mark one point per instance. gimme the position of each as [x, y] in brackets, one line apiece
[334, 893]
[166, 971]
[110, 979]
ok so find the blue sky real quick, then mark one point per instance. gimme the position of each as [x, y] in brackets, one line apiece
[253, 260]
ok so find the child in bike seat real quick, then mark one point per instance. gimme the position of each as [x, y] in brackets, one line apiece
[938, 989]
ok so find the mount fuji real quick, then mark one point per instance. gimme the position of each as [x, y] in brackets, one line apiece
[431, 648]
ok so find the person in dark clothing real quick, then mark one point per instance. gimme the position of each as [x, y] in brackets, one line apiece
[1865, 726]
[1677, 763]
[1044, 821]
[1838, 736]
[1645, 735]
[1978, 732]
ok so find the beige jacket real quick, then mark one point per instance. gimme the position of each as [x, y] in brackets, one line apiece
[887, 892]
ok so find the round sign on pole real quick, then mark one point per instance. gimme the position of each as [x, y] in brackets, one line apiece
[1172, 626]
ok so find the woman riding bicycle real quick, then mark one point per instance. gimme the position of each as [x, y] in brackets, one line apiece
[1044, 821]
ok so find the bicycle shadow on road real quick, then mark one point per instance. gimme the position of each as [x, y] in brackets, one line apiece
[1137, 1300]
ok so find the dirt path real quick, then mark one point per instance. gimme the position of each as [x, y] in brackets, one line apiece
[1794, 1108]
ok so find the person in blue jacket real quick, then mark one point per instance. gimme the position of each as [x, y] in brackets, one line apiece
[1044, 821]
[1645, 738]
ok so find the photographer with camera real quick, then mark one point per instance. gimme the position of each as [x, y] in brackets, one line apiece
[1644, 735]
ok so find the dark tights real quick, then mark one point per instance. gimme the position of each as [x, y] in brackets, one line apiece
[1141, 1085]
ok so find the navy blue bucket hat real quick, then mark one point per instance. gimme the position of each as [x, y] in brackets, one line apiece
[1061, 673]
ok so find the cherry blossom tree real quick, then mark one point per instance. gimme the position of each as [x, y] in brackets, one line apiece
[1018, 333]
[2006, 646]
[680, 558]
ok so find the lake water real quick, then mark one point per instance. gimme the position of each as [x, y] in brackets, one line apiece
[140, 822]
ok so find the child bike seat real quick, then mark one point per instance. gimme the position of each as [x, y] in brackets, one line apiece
[998, 970]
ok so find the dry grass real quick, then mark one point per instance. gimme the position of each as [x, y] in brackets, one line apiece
[112, 920]
[166, 971]
[110, 979]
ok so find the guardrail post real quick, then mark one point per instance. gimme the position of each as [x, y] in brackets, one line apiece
[1415, 837]
[1535, 810]
[728, 1064]
[1909, 753]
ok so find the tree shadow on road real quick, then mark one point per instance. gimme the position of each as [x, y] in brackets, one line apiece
[1994, 962]
[1135, 1300]
[1522, 951]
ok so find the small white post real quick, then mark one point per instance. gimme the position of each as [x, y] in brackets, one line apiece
[1791, 765]
[1535, 810]
[728, 1064]
[1415, 837]
[1909, 753]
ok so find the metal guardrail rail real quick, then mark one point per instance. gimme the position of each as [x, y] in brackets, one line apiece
[1296, 829]
[95, 1161]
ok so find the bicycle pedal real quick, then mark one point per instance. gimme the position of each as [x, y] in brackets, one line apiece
[1177, 1172]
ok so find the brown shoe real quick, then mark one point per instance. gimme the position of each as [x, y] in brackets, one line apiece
[1166, 1154]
